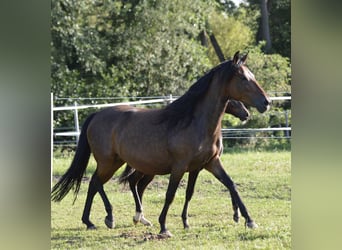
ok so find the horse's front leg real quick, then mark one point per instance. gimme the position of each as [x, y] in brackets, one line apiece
[189, 192]
[175, 177]
[216, 168]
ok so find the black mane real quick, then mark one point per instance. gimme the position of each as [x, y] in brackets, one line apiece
[182, 109]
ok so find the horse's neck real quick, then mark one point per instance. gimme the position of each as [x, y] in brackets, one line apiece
[211, 109]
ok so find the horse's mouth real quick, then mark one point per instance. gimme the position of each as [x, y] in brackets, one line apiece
[244, 118]
[265, 106]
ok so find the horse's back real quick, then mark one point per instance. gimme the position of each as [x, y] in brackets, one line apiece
[100, 129]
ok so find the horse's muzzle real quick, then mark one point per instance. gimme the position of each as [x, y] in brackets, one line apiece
[265, 105]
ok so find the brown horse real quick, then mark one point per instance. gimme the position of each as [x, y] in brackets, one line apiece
[182, 137]
[138, 181]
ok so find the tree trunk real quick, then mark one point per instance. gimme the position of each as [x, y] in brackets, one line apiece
[217, 48]
[265, 28]
[204, 38]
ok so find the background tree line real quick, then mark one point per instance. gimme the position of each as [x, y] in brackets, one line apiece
[110, 48]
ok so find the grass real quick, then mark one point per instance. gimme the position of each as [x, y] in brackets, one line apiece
[264, 183]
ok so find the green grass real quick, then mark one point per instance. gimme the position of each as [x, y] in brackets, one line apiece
[264, 183]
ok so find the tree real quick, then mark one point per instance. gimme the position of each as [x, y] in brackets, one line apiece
[231, 34]
[280, 26]
[265, 29]
[227, 6]
[129, 47]
[150, 48]
[126, 48]
[279, 19]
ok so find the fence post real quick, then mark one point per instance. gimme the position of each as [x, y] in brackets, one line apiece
[286, 123]
[51, 139]
[170, 99]
[77, 128]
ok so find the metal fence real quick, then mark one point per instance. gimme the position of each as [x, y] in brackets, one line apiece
[236, 133]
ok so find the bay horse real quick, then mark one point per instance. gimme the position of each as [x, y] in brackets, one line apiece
[138, 181]
[182, 137]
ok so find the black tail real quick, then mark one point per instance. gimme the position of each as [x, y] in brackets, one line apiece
[126, 174]
[77, 168]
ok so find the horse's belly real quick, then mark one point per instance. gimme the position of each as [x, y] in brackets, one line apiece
[150, 159]
[149, 166]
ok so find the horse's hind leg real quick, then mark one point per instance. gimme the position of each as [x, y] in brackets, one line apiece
[217, 170]
[102, 174]
[89, 200]
[236, 215]
[109, 221]
[137, 183]
[133, 179]
[142, 184]
[95, 186]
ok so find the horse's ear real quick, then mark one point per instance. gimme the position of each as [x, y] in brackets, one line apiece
[244, 58]
[236, 57]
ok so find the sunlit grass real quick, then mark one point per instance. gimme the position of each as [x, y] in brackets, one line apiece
[264, 183]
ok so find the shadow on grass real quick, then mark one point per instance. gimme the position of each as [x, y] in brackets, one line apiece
[253, 235]
[74, 236]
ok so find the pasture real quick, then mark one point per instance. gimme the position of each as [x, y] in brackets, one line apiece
[264, 183]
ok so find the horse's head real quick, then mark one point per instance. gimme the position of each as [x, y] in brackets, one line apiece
[244, 87]
[237, 109]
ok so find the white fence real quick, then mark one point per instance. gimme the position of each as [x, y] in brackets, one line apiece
[226, 133]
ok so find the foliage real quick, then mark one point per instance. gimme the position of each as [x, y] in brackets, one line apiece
[279, 22]
[231, 34]
[249, 17]
[126, 48]
[263, 180]
[226, 5]
[161, 54]
[130, 48]
[136, 48]
[280, 26]
[272, 71]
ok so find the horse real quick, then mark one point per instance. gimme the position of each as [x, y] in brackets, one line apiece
[184, 136]
[138, 181]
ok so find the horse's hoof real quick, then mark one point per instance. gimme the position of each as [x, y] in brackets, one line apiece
[165, 234]
[145, 222]
[186, 225]
[251, 224]
[141, 219]
[109, 223]
[236, 218]
[236, 215]
[91, 227]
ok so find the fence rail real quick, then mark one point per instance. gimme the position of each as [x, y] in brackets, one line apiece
[226, 133]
